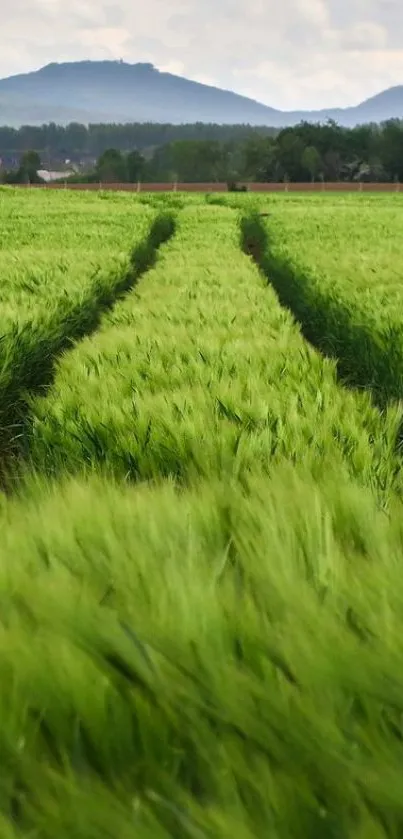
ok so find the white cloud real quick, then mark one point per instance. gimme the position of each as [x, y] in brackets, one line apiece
[177, 68]
[114, 40]
[289, 54]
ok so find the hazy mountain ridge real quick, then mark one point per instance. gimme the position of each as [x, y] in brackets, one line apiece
[112, 91]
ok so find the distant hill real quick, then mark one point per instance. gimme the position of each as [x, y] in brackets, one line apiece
[113, 91]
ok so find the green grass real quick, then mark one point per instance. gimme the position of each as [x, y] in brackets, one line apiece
[211, 663]
[200, 372]
[201, 562]
[335, 264]
[65, 269]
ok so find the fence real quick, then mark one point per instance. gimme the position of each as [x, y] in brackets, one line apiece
[340, 186]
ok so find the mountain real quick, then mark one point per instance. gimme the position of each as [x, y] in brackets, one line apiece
[114, 91]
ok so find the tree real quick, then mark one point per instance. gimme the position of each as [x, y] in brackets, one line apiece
[201, 152]
[76, 137]
[198, 160]
[31, 161]
[392, 149]
[371, 171]
[312, 161]
[333, 165]
[290, 148]
[111, 167]
[135, 166]
[260, 159]
[28, 171]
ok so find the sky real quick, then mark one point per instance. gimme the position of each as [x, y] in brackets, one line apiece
[286, 53]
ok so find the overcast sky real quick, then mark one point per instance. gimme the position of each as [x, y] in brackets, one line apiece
[285, 53]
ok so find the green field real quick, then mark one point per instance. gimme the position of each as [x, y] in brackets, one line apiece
[201, 581]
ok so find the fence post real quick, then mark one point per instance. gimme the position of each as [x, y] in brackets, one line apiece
[138, 186]
[360, 187]
[175, 186]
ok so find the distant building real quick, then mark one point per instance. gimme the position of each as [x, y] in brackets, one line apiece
[48, 176]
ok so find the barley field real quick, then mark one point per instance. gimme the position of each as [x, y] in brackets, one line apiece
[201, 512]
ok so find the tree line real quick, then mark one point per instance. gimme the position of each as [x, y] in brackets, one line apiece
[76, 141]
[306, 152]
